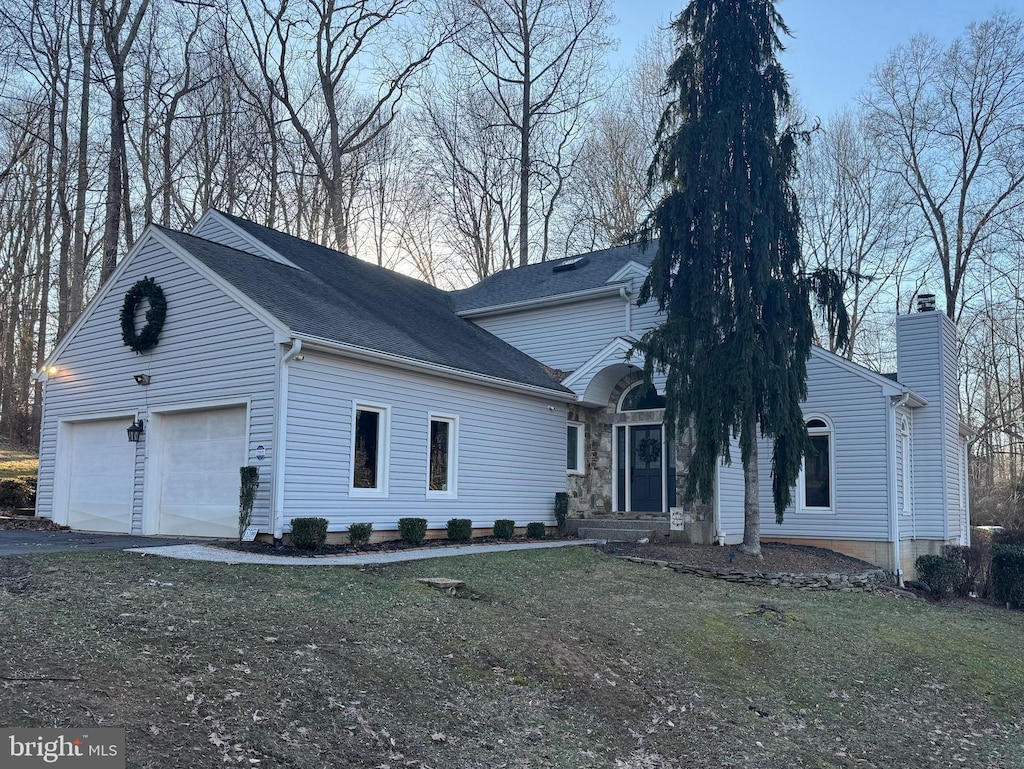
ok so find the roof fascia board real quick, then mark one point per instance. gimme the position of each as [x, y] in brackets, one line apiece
[147, 235]
[889, 387]
[255, 243]
[619, 345]
[628, 270]
[446, 372]
[541, 301]
[281, 330]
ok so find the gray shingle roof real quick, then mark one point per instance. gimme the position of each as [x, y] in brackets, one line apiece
[342, 299]
[538, 281]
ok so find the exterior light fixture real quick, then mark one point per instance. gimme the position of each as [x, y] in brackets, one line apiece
[52, 371]
[135, 431]
[143, 379]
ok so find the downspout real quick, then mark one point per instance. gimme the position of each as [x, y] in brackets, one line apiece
[894, 513]
[624, 293]
[281, 438]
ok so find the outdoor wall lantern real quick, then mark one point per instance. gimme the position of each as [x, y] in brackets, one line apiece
[135, 431]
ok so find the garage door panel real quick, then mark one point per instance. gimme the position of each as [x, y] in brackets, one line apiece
[201, 452]
[101, 476]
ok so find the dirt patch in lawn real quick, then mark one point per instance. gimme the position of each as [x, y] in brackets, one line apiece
[15, 575]
[776, 557]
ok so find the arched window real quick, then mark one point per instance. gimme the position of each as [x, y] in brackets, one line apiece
[906, 477]
[817, 481]
[641, 398]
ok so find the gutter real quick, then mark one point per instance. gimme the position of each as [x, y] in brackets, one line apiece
[541, 301]
[624, 293]
[280, 440]
[894, 513]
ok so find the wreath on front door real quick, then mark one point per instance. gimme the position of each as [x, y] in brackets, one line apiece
[648, 450]
[147, 338]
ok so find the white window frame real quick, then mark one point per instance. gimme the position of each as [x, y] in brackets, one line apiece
[829, 431]
[383, 450]
[453, 456]
[908, 485]
[581, 462]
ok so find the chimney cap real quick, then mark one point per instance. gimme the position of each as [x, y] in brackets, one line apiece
[926, 302]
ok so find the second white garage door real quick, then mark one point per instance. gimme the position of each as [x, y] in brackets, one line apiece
[200, 453]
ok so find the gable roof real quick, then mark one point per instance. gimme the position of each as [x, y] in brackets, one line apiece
[572, 275]
[339, 299]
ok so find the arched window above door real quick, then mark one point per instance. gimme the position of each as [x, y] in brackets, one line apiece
[641, 397]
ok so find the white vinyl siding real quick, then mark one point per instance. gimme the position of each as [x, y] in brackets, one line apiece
[511, 447]
[211, 348]
[563, 336]
[730, 495]
[858, 411]
[926, 350]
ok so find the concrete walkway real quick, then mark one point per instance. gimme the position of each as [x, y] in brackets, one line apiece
[223, 555]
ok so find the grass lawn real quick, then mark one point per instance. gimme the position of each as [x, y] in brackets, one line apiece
[565, 658]
[15, 464]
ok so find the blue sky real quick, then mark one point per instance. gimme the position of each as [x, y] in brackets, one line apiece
[836, 43]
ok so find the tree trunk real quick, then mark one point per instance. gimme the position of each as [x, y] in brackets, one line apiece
[524, 149]
[751, 492]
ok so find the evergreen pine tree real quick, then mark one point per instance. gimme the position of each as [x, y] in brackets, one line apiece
[727, 270]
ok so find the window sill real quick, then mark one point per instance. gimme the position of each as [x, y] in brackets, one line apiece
[368, 493]
[575, 472]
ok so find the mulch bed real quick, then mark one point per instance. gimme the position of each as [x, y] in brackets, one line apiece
[28, 523]
[391, 546]
[776, 557]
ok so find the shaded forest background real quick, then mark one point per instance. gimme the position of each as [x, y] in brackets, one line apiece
[449, 139]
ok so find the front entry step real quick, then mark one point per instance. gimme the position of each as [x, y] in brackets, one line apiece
[619, 529]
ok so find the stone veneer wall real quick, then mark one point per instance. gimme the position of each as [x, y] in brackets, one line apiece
[590, 494]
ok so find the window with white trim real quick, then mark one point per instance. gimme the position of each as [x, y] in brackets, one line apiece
[370, 426]
[574, 433]
[442, 456]
[817, 481]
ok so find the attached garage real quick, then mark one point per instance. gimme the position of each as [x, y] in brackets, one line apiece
[99, 467]
[198, 456]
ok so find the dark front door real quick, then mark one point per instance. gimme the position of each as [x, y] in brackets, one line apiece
[645, 474]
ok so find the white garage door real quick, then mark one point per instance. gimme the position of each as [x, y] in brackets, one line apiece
[201, 452]
[101, 475]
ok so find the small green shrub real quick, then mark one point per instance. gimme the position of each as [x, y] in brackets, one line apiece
[941, 574]
[412, 530]
[536, 530]
[460, 529]
[561, 510]
[504, 528]
[359, 534]
[15, 492]
[309, 533]
[1008, 574]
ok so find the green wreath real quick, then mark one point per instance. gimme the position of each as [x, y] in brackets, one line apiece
[147, 338]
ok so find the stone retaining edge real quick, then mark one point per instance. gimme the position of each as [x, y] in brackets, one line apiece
[844, 583]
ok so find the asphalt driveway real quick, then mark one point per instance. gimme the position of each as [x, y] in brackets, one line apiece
[28, 542]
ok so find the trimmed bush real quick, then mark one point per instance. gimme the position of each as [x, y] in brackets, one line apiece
[504, 528]
[561, 510]
[941, 574]
[309, 533]
[536, 530]
[412, 530]
[1008, 574]
[359, 534]
[460, 529]
[15, 492]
